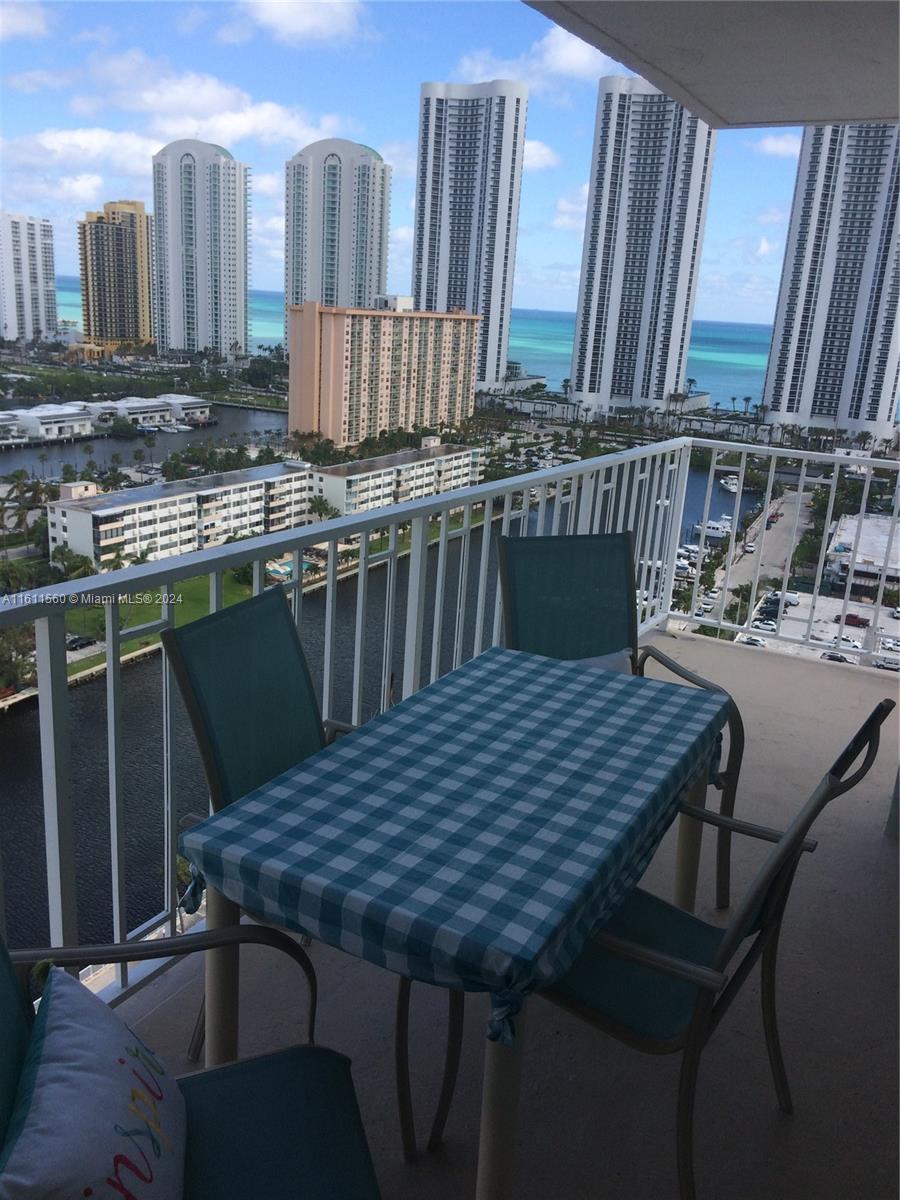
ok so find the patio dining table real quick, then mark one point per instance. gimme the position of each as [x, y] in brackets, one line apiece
[470, 837]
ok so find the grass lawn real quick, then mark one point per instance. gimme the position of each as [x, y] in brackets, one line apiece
[193, 602]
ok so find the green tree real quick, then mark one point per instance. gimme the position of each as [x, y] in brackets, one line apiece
[320, 507]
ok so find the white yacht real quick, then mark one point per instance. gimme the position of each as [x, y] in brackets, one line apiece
[729, 483]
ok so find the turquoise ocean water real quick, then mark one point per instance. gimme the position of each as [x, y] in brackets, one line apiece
[727, 359]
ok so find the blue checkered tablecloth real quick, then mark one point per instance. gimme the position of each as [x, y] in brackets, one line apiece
[473, 835]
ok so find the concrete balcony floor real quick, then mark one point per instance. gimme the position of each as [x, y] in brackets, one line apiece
[597, 1119]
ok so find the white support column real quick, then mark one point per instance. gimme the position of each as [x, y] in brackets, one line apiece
[222, 984]
[499, 1116]
[687, 852]
[53, 697]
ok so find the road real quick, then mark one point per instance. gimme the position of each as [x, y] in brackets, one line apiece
[773, 546]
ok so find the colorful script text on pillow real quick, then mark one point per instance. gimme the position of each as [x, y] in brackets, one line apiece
[96, 1114]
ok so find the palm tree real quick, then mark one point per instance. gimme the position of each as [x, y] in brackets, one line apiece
[690, 384]
[150, 442]
[320, 507]
[138, 457]
[42, 459]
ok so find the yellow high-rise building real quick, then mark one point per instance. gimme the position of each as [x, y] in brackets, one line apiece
[116, 281]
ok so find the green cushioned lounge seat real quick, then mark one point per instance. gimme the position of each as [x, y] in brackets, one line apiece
[300, 1101]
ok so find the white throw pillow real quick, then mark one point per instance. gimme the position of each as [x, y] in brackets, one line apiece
[619, 660]
[96, 1115]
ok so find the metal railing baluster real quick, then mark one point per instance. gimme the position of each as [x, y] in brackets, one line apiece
[119, 902]
[53, 716]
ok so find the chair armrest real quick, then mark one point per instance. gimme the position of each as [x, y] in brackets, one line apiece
[334, 729]
[735, 826]
[677, 669]
[188, 943]
[669, 964]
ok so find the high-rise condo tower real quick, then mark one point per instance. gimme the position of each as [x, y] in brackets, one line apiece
[27, 278]
[337, 208]
[471, 146]
[835, 352]
[200, 210]
[647, 199]
[114, 249]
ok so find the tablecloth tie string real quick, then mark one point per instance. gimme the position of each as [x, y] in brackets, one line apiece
[193, 896]
[505, 1006]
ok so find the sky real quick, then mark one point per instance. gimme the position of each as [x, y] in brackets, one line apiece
[90, 91]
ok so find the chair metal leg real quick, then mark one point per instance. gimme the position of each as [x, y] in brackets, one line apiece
[198, 1037]
[687, 1090]
[401, 1069]
[723, 868]
[455, 1013]
[770, 1024]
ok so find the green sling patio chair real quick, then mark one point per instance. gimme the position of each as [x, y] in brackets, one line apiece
[285, 1124]
[574, 598]
[661, 980]
[250, 698]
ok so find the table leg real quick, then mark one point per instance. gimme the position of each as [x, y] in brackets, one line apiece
[687, 854]
[499, 1116]
[222, 979]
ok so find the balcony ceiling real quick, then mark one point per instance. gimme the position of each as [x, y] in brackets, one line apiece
[741, 63]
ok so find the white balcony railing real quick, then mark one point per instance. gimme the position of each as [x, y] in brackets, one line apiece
[437, 604]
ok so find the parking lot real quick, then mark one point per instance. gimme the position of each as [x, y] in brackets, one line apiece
[795, 622]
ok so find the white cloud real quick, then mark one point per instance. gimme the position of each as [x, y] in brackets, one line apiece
[294, 23]
[22, 20]
[557, 56]
[39, 80]
[103, 35]
[268, 183]
[546, 285]
[773, 216]
[765, 248]
[539, 156]
[194, 104]
[266, 121]
[779, 145]
[123, 153]
[571, 210]
[401, 156]
[400, 257]
[268, 238]
[190, 19]
[59, 190]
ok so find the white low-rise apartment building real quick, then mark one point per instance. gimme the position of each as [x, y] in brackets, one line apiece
[11, 431]
[192, 410]
[396, 478]
[53, 422]
[165, 519]
[139, 410]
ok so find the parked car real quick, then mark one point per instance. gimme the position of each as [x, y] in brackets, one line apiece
[847, 641]
[791, 599]
[768, 626]
[750, 639]
[76, 642]
[749, 547]
[895, 613]
[833, 656]
[890, 643]
[853, 619]
[887, 664]
[714, 593]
